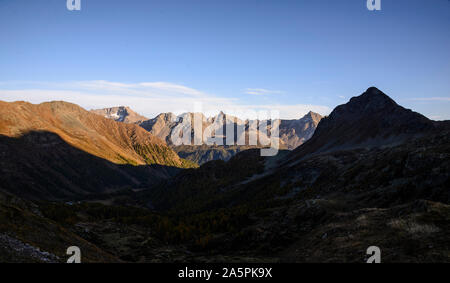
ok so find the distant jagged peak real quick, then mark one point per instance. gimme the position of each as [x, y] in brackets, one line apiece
[315, 117]
[171, 117]
[121, 114]
[166, 117]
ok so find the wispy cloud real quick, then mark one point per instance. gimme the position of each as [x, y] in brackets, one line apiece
[153, 87]
[431, 99]
[147, 98]
[261, 91]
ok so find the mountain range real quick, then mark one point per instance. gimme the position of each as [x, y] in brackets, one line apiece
[373, 173]
[292, 133]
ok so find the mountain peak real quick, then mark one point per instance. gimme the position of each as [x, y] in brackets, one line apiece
[373, 90]
[373, 93]
[312, 117]
[371, 119]
[120, 114]
[372, 101]
[166, 117]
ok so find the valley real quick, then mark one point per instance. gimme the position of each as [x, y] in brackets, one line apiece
[372, 173]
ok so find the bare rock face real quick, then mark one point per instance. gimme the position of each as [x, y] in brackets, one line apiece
[292, 134]
[121, 114]
[295, 132]
[161, 126]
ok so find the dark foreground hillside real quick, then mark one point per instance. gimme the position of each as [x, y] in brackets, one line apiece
[341, 204]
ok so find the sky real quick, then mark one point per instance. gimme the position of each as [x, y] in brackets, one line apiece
[174, 55]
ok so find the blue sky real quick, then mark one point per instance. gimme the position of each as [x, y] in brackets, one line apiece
[159, 56]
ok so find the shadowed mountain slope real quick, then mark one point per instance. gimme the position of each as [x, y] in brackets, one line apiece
[41, 165]
[58, 150]
[370, 120]
[367, 126]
